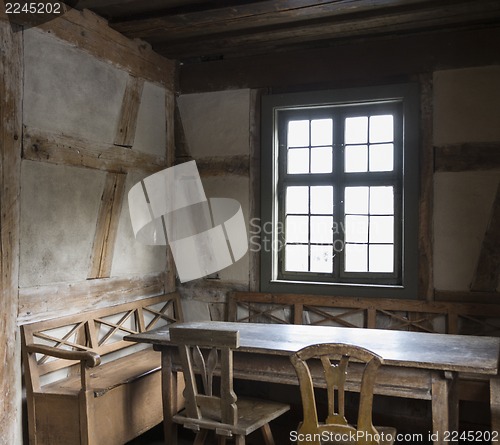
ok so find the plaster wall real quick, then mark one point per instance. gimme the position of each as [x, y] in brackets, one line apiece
[68, 91]
[466, 109]
[217, 124]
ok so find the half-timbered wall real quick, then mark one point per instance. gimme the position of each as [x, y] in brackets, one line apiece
[459, 235]
[86, 113]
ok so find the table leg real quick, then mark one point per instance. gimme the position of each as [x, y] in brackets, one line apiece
[444, 406]
[169, 397]
[495, 404]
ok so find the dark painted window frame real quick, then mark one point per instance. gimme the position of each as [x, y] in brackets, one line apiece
[408, 96]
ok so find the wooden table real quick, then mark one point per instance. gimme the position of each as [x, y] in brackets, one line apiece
[416, 365]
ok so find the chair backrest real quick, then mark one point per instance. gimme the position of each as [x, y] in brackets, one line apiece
[331, 362]
[201, 351]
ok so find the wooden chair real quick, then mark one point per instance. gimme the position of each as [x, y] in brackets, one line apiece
[334, 359]
[225, 414]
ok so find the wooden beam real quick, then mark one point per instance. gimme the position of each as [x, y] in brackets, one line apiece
[77, 152]
[49, 301]
[247, 17]
[90, 33]
[486, 277]
[238, 165]
[170, 285]
[432, 16]
[425, 240]
[254, 173]
[467, 297]
[364, 61]
[11, 81]
[467, 157]
[107, 225]
[127, 123]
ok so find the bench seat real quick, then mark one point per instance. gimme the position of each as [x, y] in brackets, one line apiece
[109, 375]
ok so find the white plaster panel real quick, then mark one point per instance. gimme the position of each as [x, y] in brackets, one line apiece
[130, 256]
[59, 208]
[151, 130]
[462, 208]
[467, 105]
[67, 90]
[235, 187]
[195, 310]
[216, 124]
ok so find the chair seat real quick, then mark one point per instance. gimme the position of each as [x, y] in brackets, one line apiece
[252, 415]
[386, 432]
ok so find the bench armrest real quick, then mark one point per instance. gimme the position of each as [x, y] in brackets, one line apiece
[90, 358]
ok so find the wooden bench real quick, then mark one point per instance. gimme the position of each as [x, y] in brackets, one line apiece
[85, 384]
[374, 313]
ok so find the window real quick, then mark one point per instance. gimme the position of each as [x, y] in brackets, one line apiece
[340, 192]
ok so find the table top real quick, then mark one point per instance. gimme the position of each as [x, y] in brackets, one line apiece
[462, 353]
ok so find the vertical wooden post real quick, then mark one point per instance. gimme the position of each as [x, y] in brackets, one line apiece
[425, 263]
[444, 405]
[254, 272]
[495, 404]
[169, 397]
[107, 226]
[127, 123]
[170, 156]
[11, 81]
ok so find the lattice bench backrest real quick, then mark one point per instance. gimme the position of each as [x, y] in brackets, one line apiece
[374, 313]
[101, 330]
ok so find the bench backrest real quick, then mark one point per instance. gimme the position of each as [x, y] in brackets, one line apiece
[408, 315]
[100, 331]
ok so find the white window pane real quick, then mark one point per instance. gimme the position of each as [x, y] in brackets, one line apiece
[381, 229]
[382, 128]
[356, 158]
[382, 158]
[296, 258]
[322, 229]
[356, 229]
[356, 259]
[321, 160]
[297, 200]
[321, 132]
[321, 259]
[356, 130]
[298, 160]
[298, 133]
[322, 200]
[356, 200]
[381, 258]
[381, 200]
[297, 229]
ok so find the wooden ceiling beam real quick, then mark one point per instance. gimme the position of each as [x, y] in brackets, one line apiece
[122, 9]
[353, 62]
[435, 17]
[250, 16]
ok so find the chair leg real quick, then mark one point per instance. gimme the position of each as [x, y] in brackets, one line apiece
[239, 440]
[268, 435]
[200, 437]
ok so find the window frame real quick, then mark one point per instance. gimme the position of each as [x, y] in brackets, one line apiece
[272, 277]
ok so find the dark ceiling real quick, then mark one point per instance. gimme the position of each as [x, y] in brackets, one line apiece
[198, 30]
